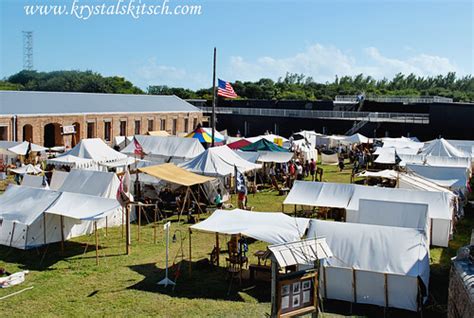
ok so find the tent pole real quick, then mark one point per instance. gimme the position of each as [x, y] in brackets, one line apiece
[190, 252]
[62, 234]
[44, 227]
[122, 220]
[184, 204]
[386, 292]
[127, 229]
[217, 248]
[354, 284]
[96, 244]
[139, 220]
[13, 232]
[154, 225]
[198, 205]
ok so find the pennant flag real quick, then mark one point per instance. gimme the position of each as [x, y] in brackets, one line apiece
[239, 181]
[138, 148]
[224, 89]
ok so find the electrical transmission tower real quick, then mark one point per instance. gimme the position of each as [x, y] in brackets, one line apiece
[28, 50]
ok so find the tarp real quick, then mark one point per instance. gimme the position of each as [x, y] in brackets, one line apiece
[22, 148]
[371, 254]
[171, 173]
[27, 169]
[263, 145]
[329, 159]
[273, 228]
[82, 207]
[441, 147]
[355, 139]
[95, 149]
[161, 133]
[97, 183]
[71, 161]
[324, 194]
[218, 161]
[449, 177]
[57, 179]
[34, 181]
[166, 149]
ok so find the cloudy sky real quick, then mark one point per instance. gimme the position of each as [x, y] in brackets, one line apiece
[255, 39]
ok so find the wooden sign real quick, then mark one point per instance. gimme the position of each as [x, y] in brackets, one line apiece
[68, 130]
[297, 295]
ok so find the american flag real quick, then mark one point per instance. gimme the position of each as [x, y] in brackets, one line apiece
[224, 89]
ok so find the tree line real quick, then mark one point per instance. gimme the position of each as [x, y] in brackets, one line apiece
[292, 86]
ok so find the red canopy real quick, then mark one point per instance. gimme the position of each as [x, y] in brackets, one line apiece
[238, 144]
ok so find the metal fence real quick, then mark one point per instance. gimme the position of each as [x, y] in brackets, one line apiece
[396, 99]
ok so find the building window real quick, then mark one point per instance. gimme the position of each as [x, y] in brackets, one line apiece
[123, 128]
[186, 124]
[175, 124]
[107, 130]
[195, 123]
[150, 124]
[3, 132]
[137, 127]
[163, 124]
[90, 130]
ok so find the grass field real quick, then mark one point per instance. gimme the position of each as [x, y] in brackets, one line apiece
[71, 284]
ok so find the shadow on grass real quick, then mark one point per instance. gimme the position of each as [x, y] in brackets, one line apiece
[206, 281]
[42, 258]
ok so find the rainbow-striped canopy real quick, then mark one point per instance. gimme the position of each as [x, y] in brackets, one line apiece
[204, 135]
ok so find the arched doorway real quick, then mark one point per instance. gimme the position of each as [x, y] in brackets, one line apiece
[52, 135]
[77, 136]
[28, 133]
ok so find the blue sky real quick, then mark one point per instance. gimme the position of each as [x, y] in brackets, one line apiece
[260, 38]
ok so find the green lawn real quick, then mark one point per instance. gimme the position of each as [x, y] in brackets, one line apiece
[71, 284]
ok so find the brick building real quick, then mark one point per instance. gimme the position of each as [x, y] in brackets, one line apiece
[40, 117]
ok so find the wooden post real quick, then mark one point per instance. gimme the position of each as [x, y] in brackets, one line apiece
[316, 289]
[127, 229]
[62, 234]
[198, 205]
[154, 225]
[44, 228]
[96, 244]
[190, 252]
[217, 248]
[283, 208]
[325, 283]
[106, 225]
[139, 219]
[295, 209]
[274, 301]
[123, 219]
[184, 204]
[354, 285]
[386, 289]
[13, 233]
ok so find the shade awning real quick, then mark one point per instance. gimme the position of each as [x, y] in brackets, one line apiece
[300, 252]
[174, 174]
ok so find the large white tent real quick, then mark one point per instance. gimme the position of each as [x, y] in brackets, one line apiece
[33, 217]
[441, 206]
[355, 139]
[273, 228]
[166, 149]
[367, 266]
[95, 149]
[22, 148]
[97, 183]
[57, 179]
[218, 162]
[71, 161]
[34, 181]
[454, 178]
[441, 147]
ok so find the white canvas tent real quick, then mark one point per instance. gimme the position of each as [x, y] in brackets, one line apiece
[367, 268]
[57, 179]
[32, 217]
[27, 169]
[441, 206]
[95, 149]
[218, 162]
[355, 139]
[22, 148]
[71, 161]
[122, 141]
[441, 147]
[332, 159]
[454, 178]
[166, 149]
[34, 181]
[273, 228]
[97, 183]
[265, 156]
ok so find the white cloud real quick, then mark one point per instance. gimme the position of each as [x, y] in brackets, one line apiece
[323, 63]
[152, 73]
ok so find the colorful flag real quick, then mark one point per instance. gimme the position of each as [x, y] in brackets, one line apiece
[138, 148]
[239, 181]
[224, 89]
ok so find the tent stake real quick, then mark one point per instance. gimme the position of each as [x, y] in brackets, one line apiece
[96, 244]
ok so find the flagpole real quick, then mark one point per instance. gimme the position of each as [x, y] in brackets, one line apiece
[213, 119]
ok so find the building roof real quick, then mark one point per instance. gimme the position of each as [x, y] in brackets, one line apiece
[46, 103]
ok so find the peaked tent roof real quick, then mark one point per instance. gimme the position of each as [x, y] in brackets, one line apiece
[22, 148]
[168, 147]
[441, 147]
[238, 144]
[218, 161]
[356, 139]
[263, 145]
[174, 174]
[29, 168]
[204, 135]
[95, 149]
[273, 228]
